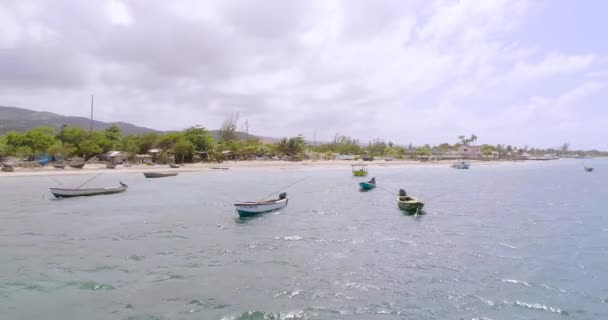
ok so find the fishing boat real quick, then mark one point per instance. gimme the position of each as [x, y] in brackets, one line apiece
[173, 165]
[368, 185]
[77, 165]
[111, 166]
[59, 165]
[359, 170]
[410, 204]
[7, 168]
[246, 209]
[159, 174]
[461, 165]
[219, 168]
[588, 169]
[80, 192]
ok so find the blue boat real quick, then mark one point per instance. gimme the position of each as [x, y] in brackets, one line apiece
[44, 160]
[368, 185]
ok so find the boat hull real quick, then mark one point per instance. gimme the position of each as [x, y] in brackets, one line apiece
[360, 173]
[159, 174]
[70, 193]
[247, 209]
[410, 206]
[366, 185]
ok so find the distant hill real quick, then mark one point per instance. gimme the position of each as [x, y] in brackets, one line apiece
[20, 120]
[17, 119]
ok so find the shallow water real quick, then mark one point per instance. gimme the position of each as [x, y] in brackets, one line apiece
[504, 241]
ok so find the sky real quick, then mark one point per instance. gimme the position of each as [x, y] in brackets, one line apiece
[526, 73]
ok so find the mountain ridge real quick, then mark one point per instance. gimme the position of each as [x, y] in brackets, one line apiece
[21, 120]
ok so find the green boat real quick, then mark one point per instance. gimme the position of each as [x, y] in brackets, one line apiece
[359, 170]
[410, 204]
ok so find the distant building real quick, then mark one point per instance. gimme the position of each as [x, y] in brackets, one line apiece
[469, 152]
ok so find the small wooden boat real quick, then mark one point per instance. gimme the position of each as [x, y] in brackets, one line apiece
[588, 169]
[80, 192]
[77, 165]
[368, 185]
[410, 204]
[219, 168]
[111, 166]
[246, 209]
[359, 170]
[461, 165]
[159, 174]
[173, 165]
[7, 168]
[59, 165]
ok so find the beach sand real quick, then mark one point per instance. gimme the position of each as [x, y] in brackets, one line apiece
[95, 168]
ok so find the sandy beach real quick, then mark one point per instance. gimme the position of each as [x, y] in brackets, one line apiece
[94, 168]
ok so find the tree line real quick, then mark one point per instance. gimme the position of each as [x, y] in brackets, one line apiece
[196, 144]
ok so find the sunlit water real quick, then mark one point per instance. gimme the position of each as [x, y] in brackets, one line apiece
[504, 241]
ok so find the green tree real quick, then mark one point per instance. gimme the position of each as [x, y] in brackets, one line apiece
[487, 149]
[444, 147]
[3, 147]
[424, 151]
[182, 149]
[61, 149]
[39, 139]
[114, 135]
[23, 151]
[168, 140]
[292, 147]
[15, 140]
[148, 140]
[199, 138]
[95, 144]
[72, 135]
[131, 145]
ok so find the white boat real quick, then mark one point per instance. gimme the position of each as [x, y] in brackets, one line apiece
[246, 209]
[461, 165]
[79, 192]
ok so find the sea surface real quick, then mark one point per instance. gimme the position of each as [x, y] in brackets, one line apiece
[501, 241]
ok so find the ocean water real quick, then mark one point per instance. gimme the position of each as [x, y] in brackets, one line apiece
[503, 241]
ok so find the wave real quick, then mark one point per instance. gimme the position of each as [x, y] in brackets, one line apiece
[516, 282]
[260, 315]
[289, 238]
[538, 306]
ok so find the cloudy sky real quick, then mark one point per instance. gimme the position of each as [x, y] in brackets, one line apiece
[514, 71]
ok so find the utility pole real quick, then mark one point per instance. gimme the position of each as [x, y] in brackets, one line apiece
[91, 128]
[247, 126]
[314, 143]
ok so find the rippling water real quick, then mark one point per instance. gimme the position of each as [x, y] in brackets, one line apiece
[505, 241]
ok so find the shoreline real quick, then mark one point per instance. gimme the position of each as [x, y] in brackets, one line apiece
[231, 165]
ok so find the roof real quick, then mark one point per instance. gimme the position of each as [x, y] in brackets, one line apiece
[153, 151]
[114, 153]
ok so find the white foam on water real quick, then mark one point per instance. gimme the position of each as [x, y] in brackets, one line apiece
[516, 282]
[289, 238]
[537, 306]
[507, 245]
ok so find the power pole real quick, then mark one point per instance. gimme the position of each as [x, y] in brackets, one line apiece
[247, 126]
[91, 128]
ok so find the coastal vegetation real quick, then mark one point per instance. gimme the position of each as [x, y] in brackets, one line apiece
[196, 144]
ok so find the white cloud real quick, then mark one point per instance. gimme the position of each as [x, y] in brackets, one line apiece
[336, 65]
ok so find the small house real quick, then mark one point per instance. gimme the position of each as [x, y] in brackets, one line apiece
[469, 152]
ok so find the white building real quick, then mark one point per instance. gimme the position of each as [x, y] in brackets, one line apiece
[469, 152]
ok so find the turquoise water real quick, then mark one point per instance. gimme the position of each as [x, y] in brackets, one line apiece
[504, 241]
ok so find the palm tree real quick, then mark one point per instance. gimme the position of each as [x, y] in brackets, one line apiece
[463, 140]
[473, 138]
